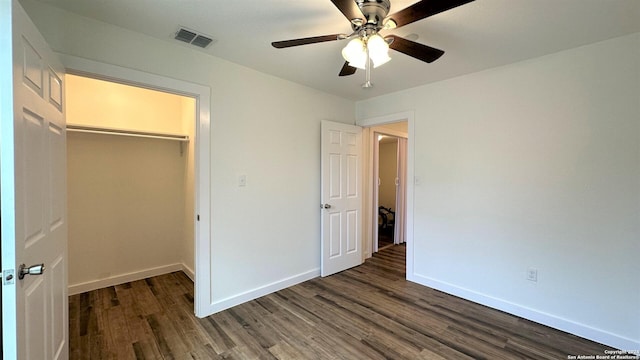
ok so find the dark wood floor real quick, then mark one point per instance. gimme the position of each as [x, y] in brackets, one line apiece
[385, 238]
[369, 312]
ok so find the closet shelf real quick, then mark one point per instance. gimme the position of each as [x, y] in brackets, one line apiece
[122, 132]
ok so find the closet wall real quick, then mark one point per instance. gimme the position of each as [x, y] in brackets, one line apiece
[130, 199]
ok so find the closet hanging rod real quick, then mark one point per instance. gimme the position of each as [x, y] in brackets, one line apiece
[121, 132]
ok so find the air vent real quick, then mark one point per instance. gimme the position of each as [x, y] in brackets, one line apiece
[185, 35]
[201, 41]
[193, 38]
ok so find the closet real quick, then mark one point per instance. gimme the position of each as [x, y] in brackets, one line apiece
[130, 176]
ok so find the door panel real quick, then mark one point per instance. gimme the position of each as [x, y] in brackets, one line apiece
[55, 89]
[34, 229]
[59, 305]
[57, 176]
[352, 231]
[341, 197]
[33, 152]
[32, 67]
[35, 315]
[335, 233]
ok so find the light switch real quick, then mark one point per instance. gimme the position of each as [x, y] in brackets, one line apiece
[242, 180]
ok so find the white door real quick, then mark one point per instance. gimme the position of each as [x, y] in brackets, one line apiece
[33, 180]
[341, 229]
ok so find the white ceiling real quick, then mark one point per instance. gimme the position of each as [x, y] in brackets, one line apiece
[476, 36]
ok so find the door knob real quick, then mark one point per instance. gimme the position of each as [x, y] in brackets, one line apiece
[327, 206]
[37, 269]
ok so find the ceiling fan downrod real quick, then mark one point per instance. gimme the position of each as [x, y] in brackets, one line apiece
[367, 71]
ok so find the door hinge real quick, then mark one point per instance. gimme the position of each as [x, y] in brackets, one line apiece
[8, 277]
[198, 217]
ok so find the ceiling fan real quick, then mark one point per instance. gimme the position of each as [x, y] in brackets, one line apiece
[368, 18]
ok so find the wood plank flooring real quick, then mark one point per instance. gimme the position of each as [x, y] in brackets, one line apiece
[369, 312]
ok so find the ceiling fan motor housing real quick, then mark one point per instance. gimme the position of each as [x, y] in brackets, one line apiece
[374, 10]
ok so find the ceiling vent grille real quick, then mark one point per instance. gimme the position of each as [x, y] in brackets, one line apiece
[193, 38]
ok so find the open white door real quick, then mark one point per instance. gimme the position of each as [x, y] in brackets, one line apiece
[33, 181]
[341, 229]
[400, 231]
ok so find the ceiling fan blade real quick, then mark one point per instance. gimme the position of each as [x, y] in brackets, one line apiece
[423, 9]
[414, 49]
[347, 69]
[349, 8]
[304, 41]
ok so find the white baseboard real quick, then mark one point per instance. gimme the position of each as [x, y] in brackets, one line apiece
[128, 277]
[189, 272]
[587, 332]
[232, 301]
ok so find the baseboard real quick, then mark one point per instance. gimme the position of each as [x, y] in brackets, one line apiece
[232, 301]
[556, 322]
[128, 277]
[189, 272]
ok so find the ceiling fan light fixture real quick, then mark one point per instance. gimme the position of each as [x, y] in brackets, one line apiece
[360, 62]
[355, 53]
[389, 24]
[378, 50]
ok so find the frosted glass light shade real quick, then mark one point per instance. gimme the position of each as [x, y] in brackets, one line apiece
[355, 53]
[378, 50]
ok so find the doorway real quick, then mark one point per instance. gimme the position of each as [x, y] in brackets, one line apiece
[130, 176]
[204, 304]
[388, 181]
[388, 152]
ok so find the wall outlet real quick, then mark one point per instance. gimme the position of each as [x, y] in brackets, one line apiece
[242, 180]
[532, 274]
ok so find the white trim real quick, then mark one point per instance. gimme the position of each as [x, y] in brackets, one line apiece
[202, 190]
[374, 150]
[234, 300]
[384, 131]
[582, 330]
[409, 117]
[124, 278]
[386, 119]
[189, 272]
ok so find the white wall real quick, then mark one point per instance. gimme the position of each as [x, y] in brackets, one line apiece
[125, 208]
[534, 164]
[266, 128]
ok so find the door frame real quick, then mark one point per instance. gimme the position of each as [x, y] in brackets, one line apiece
[368, 123]
[202, 94]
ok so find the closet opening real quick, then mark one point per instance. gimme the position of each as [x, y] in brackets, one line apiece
[131, 183]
